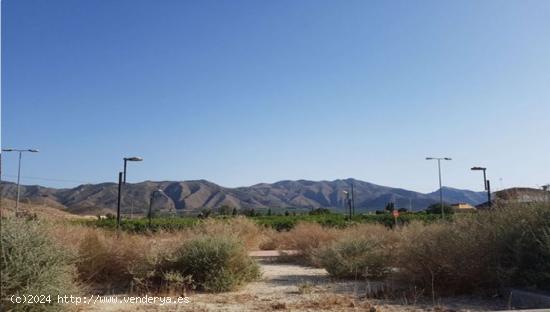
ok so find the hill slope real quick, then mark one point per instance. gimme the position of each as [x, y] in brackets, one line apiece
[188, 196]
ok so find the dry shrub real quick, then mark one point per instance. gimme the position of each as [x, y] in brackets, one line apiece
[31, 263]
[70, 235]
[306, 238]
[364, 251]
[270, 239]
[446, 257]
[242, 228]
[214, 263]
[113, 260]
[211, 256]
[491, 249]
[374, 232]
[522, 239]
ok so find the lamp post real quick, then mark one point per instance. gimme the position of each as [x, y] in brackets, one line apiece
[20, 151]
[439, 159]
[150, 214]
[348, 200]
[486, 183]
[121, 181]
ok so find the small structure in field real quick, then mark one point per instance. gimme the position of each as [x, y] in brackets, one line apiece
[463, 207]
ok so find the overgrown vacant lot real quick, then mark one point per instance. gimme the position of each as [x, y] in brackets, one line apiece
[472, 255]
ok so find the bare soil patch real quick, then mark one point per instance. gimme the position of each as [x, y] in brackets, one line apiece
[290, 287]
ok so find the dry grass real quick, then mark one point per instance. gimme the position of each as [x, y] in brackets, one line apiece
[114, 260]
[363, 251]
[111, 260]
[50, 210]
[309, 238]
[453, 257]
[108, 260]
[305, 238]
[278, 306]
[306, 287]
[478, 252]
[240, 227]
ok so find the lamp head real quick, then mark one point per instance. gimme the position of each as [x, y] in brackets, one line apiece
[133, 158]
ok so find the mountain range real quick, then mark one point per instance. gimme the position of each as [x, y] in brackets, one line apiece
[193, 196]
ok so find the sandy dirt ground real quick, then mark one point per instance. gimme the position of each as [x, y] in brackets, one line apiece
[289, 287]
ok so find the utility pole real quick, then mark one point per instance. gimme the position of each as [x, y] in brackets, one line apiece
[353, 199]
[118, 201]
[439, 159]
[349, 204]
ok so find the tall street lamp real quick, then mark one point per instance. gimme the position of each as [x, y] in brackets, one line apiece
[486, 183]
[20, 151]
[121, 181]
[348, 200]
[439, 159]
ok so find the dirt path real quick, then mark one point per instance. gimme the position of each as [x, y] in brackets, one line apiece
[289, 287]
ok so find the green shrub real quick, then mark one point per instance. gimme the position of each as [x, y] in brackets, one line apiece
[215, 263]
[436, 208]
[142, 225]
[31, 263]
[320, 211]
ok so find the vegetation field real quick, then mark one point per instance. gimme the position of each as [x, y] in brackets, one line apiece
[276, 222]
[340, 221]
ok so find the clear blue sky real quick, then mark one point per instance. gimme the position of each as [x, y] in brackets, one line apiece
[241, 92]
